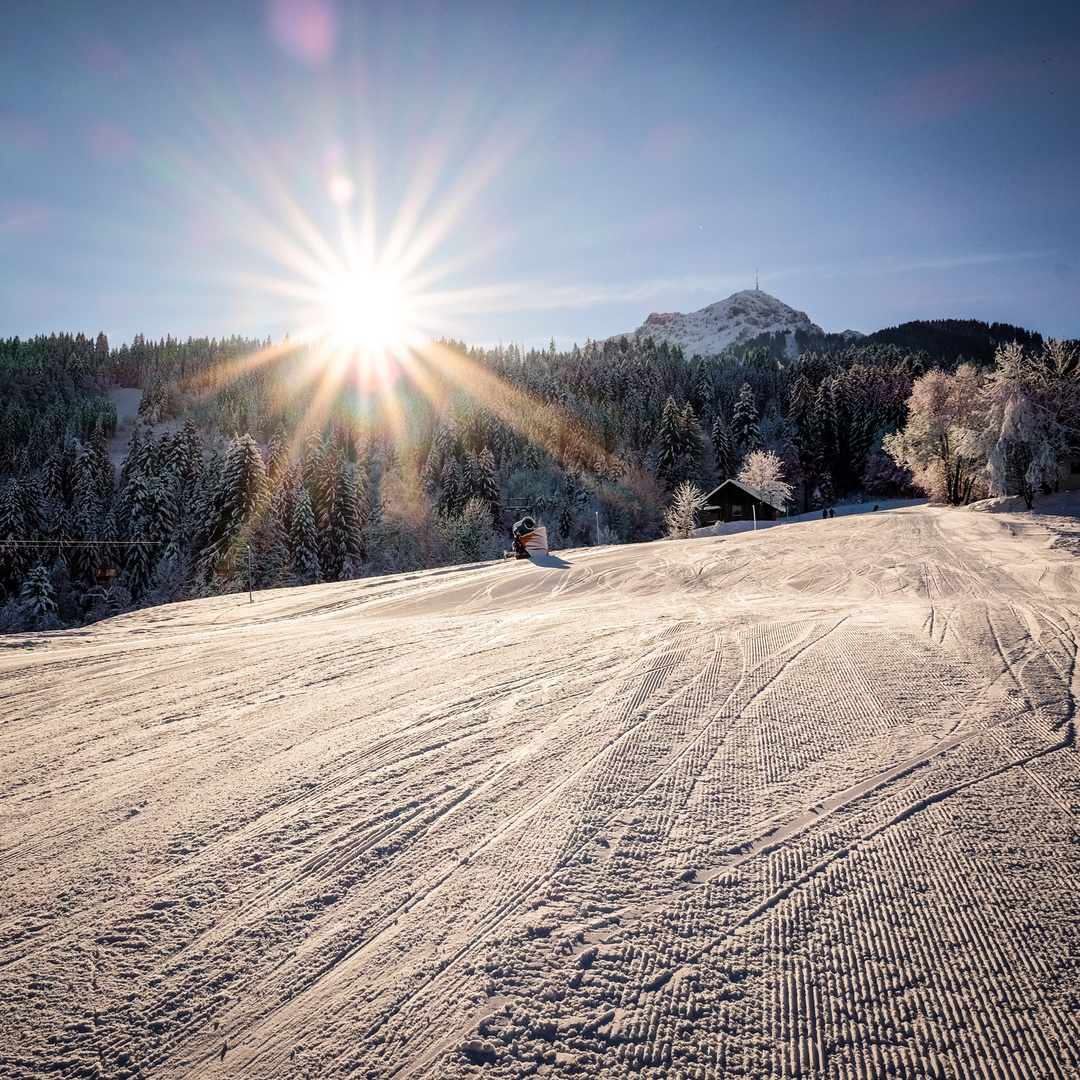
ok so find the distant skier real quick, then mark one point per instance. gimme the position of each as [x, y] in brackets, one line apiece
[832, 512]
[824, 515]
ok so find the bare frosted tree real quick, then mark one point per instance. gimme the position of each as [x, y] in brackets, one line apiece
[763, 470]
[681, 517]
[942, 441]
[1024, 438]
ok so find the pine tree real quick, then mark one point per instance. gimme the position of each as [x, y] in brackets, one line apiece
[690, 433]
[744, 422]
[103, 470]
[88, 513]
[245, 485]
[470, 477]
[802, 410]
[241, 502]
[323, 497]
[311, 459]
[444, 443]
[188, 455]
[277, 457]
[680, 442]
[304, 541]
[139, 453]
[59, 490]
[346, 526]
[38, 595]
[271, 543]
[20, 505]
[488, 485]
[151, 523]
[724, 446]
[703, 386]
[452, 497]
[801, 404]
[670, 440]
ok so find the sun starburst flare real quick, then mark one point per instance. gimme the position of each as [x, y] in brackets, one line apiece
[365, 295]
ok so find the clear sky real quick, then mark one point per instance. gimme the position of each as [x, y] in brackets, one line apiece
[536, 170]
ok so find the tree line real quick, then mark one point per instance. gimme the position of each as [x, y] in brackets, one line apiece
[282, 465]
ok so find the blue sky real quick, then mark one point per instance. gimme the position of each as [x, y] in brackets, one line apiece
[538, 170]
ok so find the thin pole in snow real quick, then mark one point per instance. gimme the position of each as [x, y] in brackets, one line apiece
[251, 599]
[597, 528]
[753, 510]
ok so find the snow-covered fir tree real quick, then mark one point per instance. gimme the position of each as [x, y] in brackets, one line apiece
[744, 422]
[38, 594]
[303, 542]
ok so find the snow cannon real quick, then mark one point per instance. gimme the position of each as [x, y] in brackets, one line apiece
[529, 538]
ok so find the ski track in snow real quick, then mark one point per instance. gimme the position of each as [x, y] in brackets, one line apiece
[801, 803]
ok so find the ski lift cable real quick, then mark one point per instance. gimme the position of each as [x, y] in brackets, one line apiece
[83, 543]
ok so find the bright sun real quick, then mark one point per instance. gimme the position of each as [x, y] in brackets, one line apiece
[369, 312]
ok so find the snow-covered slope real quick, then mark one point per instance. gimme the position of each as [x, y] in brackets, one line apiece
[594, 815]
[742, 316]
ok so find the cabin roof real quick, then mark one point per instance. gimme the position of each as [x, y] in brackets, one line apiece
[768, 500]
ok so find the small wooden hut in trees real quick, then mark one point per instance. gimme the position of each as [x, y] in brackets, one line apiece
[736, 501]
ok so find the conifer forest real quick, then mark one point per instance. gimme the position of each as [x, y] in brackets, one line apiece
[250, 463]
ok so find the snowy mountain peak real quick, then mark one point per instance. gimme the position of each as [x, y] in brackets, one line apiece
[741, 317]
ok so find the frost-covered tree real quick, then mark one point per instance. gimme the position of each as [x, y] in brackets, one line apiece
[452, 497]
[242, 499]
[149, 519]
[764, 471]
[809, 450]
[943, 441]
[38, 595]
[680, 442]
[670, 439]
[271, 554]
[1024, 438]
[277, 456]
[487, 483]
[20, 504]
[348, 521]
[744, 422]
[681, 517]
[691, 438]
[468, 535]
[703, 390]
[58, 488]
[724, 448]
[304, 542]
[187, 456]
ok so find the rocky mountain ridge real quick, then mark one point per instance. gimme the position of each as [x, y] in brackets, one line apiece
[742, 317]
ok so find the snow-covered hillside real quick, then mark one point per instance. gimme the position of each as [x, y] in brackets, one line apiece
[742, 316]
[796, 803]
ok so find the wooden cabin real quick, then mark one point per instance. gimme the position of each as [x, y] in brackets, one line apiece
[1068, 477]
[735, 501]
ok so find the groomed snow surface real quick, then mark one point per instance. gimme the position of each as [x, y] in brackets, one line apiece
[799, 803]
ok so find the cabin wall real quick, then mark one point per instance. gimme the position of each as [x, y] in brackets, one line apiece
[735, 509]
[1069, 475]
[735, 505]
